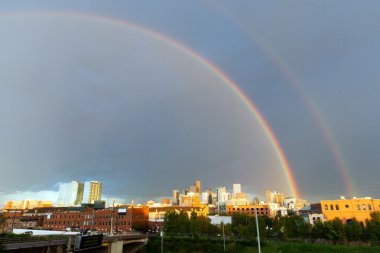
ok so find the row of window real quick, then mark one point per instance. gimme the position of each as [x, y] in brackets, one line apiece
[259, 213]
[252, 209]
[358, 207]
[85, 223]
[85, 216]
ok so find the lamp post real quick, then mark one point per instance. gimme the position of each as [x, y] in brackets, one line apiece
[257, 229]
[162, 240]
[224, 238]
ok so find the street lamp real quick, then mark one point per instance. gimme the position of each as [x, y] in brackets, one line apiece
[162, 240]
[224, 238]
[257, 229]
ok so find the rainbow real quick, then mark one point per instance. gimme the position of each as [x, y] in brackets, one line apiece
[201, 60]
[311, 106]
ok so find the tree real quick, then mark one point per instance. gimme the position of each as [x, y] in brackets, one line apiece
[353, 230]
[318, 231]
[171, 222]
[335, 230]
[183, 222]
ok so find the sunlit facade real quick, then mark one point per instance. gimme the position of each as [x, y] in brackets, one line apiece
[70, 194]
[92, 192]
[346, 209]
[27, 204]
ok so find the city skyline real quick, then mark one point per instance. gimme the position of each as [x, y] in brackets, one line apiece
[148, 97]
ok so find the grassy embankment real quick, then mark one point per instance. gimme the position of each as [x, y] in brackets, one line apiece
[188, 245]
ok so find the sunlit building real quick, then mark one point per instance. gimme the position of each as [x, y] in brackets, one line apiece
[295, 204]
[175, 201]
[262, 209]
[236, 188]
[157, 214]
[27, 204]
[70, 194]
[92, 192]
[275, 197]
[191, 199]
[346, 209]
[197, 185]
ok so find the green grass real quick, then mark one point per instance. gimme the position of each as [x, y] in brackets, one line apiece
[188, 245]
[311, 248]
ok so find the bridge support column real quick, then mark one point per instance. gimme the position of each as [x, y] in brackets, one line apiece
[116, 247]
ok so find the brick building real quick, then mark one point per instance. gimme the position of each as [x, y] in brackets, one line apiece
[262, 209]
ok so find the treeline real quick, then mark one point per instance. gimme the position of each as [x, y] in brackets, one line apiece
[289, 227]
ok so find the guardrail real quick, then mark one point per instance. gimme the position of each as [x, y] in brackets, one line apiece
[10, 240]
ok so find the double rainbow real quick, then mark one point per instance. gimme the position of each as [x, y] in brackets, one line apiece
[201, 60]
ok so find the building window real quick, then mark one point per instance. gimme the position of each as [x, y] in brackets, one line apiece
[326, 207]
[358, 206]
[331, 207]
[347, 206]
[369, 207]
[364, 207]
[336, 207]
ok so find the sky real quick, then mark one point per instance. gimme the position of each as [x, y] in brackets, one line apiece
[104, 90]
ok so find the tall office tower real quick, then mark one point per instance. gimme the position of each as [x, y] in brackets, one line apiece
[275, 197]
[197, 185]
[175, 201]
[70, 194]
[219, 192]
[193, 189]
[237, 188]
[92, 192]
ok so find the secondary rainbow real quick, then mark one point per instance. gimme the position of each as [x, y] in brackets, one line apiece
[200, 59]
[327, 133]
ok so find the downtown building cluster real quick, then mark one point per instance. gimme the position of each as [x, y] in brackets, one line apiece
[80, 206]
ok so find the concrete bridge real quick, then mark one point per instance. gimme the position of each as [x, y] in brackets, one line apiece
[120, 243]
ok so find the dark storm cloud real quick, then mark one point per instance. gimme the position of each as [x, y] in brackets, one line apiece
[102, 111]
[123, 108]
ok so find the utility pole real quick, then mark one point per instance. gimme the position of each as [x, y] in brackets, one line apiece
[257, 229]
[224, 238]
[112, 214]
[162, 240]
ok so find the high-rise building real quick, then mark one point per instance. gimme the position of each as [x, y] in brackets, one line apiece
[275, 197]
[175, 201]
[193, 189]
[197, 185]
[70, 194]
[237, 188]
[92, 191]
[219, 193]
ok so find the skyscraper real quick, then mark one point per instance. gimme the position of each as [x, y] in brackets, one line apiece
[175, 201]
[237, 188]
[92, 192]
[220, 194]
[275, 197]
[70, 194]
[197, 185]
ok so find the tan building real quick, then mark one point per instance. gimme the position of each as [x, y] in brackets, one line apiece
[197, 185]
[275, 197]
[27, 204]
[346, 209]
[157, 214]
[92, 192]
[190, 199]
[262, 209]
